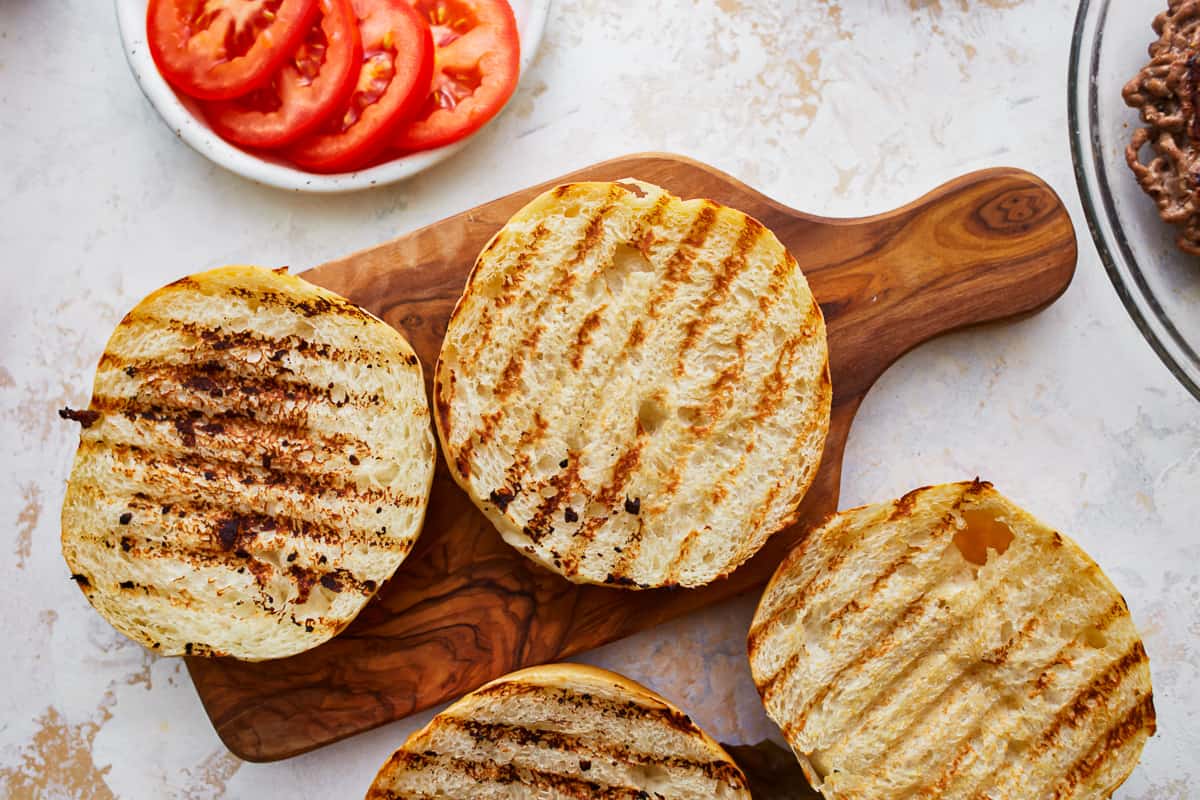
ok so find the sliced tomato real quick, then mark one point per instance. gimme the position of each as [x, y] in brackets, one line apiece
[218, 49]
[476, 66]
[311, 85]
[397, 64]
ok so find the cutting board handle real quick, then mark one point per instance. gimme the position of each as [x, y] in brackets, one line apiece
[986, 246]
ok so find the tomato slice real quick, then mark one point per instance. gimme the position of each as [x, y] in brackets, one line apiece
[397, 64]
[310, 86]
[476, 66]
[218, 49]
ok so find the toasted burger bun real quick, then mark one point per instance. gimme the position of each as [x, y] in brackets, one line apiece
[634, 388]
[950, 645]
[255, 462]
[560, 731]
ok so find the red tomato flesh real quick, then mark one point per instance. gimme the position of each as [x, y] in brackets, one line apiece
[219, 49]
[476, 66]
[397, 64]
[311, 85]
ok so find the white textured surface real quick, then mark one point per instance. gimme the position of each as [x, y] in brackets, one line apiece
[835, 109]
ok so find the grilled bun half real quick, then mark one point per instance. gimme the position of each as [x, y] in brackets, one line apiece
[560, 731]
[254, 463]
[950, 645]
[634, 388]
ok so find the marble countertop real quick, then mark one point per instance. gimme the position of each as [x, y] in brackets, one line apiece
[837, 108]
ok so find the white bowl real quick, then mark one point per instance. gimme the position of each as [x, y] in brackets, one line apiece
[181, 114]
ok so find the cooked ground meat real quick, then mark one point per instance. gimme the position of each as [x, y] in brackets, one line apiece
[1165, 93]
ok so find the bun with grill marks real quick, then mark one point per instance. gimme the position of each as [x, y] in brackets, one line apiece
[560, 731]
[255, 462]
[634, 388]
[950, 645]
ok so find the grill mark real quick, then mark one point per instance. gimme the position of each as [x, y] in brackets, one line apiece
[905, 505]
[731, 267]
[540, 426]
[1091, 696]
[767, 688]
[462, 459]
[637, 336]
[514, 367]
[225, 387]
[183, 513]
[1045, 678]
[607, 497]
[443, 402]
[179, 600]
[610, 708]
[508, 774]
[677, 269]
[510, 284]
[316, 306]
[796, 600]
[999, 656]
[215, 342]
[685, 548]
[589, 746]
[937, 787]
[798, 553]
[484, 432]
[581, 340]
[854, 605]
[913, 611]
[779, 274]
[513, 280]
[623, 566]
[643, 239]
[224, 470]
[511, 375]
[721, 389]
[993, 659]
[304, 577]
[583, 336]
[238, 430]
[887, 641]
[773, 387]
[592, 234]
[1036, 685]
[1140, 716]
[1049, 599]
[241, 562]
[564, 482]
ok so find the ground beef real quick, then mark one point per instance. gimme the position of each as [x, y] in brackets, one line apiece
[1165, 93]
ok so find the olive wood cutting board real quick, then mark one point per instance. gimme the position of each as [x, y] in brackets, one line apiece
[465, 607]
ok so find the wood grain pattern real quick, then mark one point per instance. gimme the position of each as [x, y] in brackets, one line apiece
[465, 608]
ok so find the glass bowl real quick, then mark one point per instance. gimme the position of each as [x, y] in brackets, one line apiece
[1158, 283]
